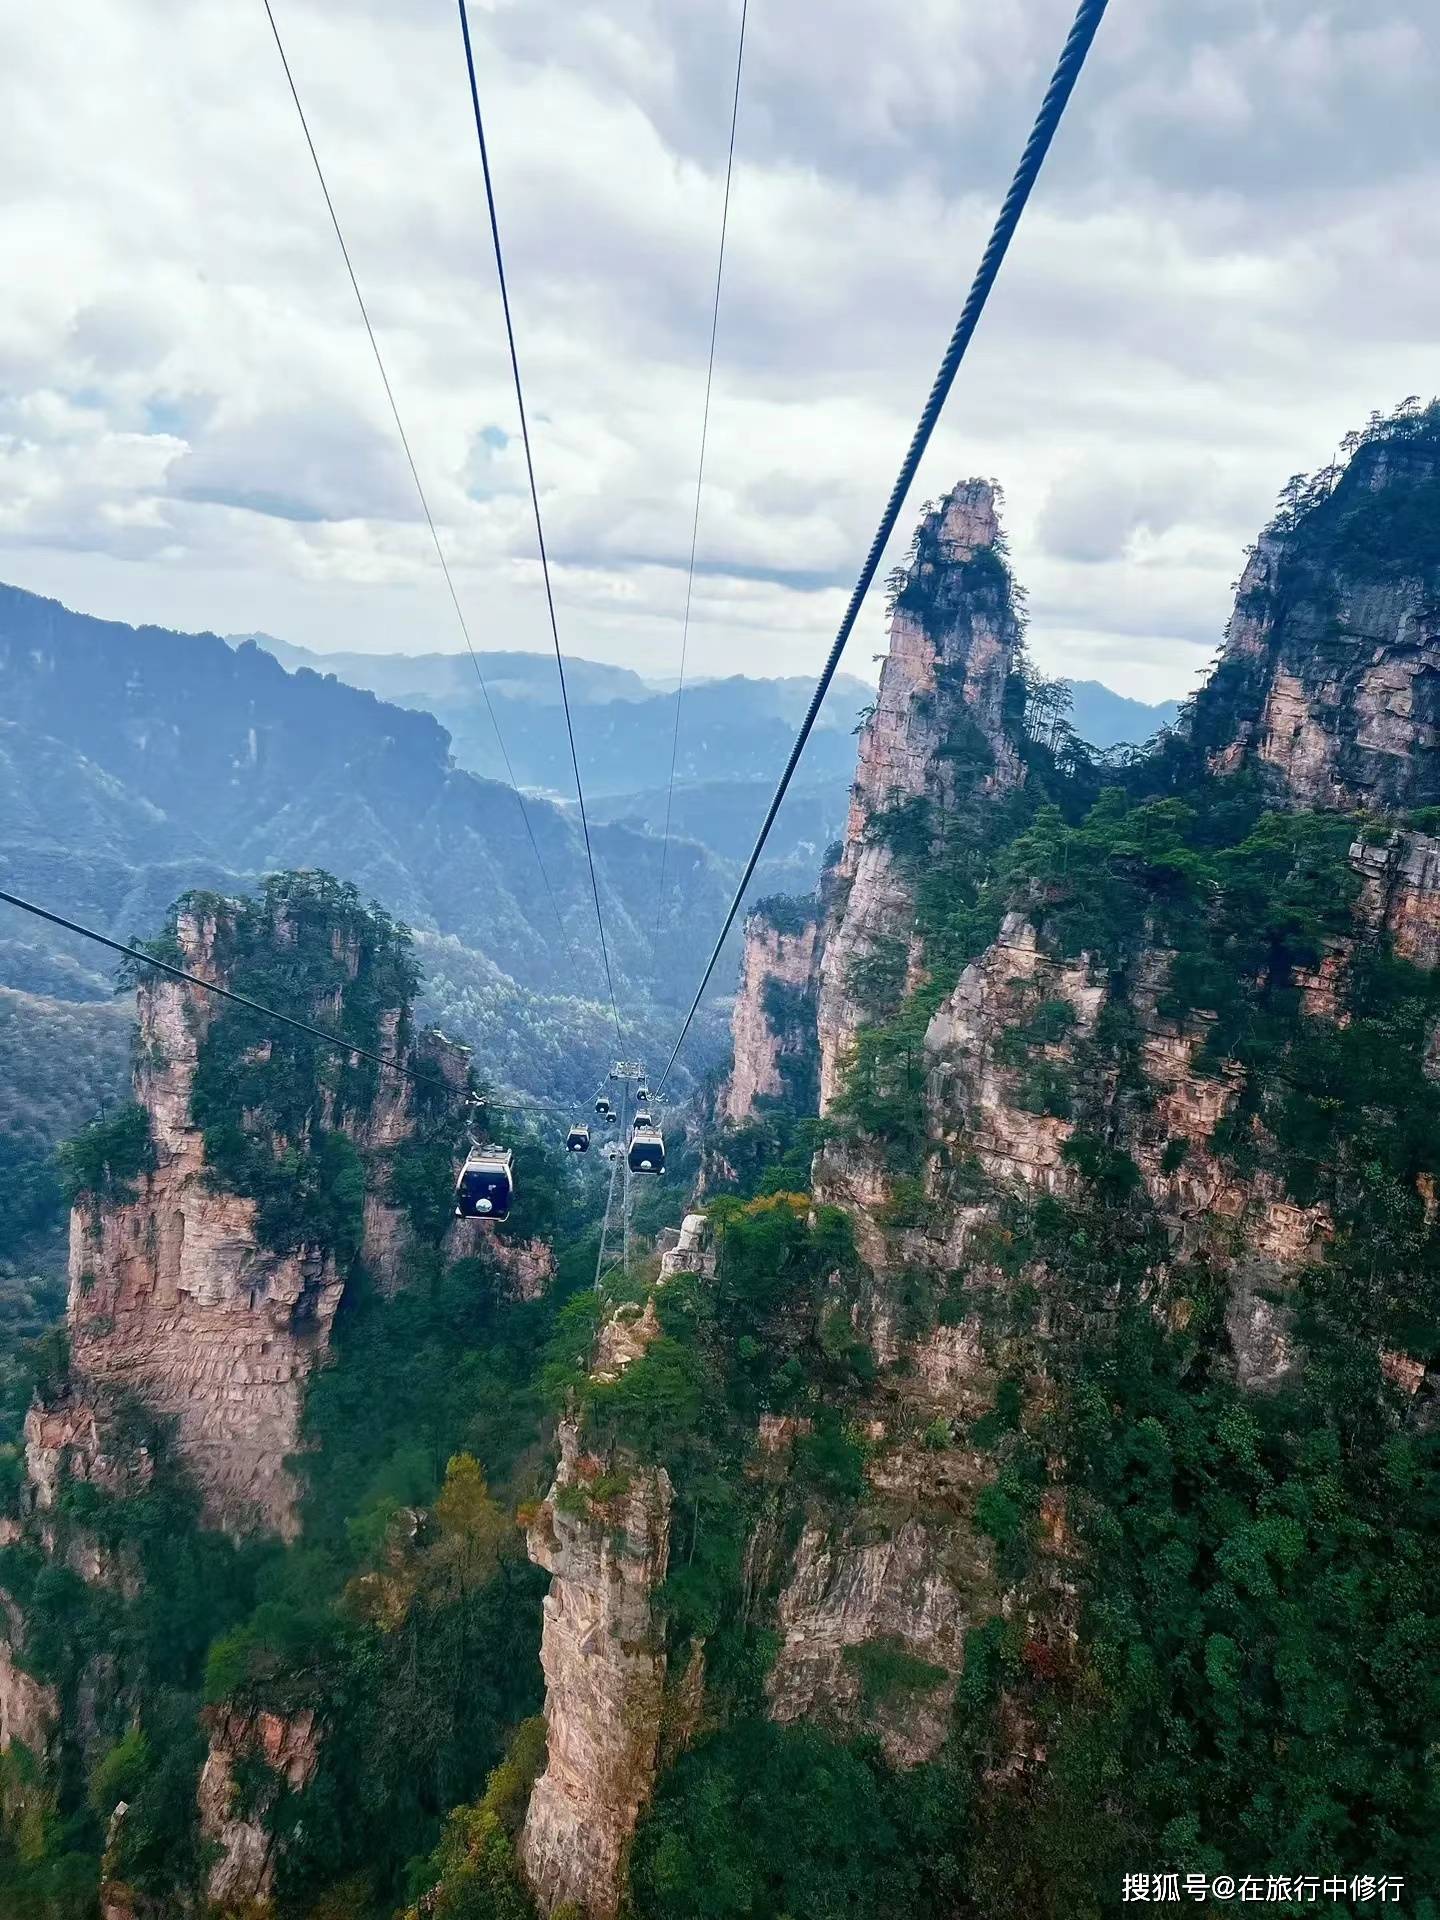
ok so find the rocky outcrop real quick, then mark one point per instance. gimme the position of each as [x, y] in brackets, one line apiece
[277, 1753]
[29, 1710]
[1400, 875]
[525, 1267]
[688, 1248]
[191, 1340]
[603, 1534]
[937, 734]
[1329, 686]
[873, 1615]
[175, 1300]
[63, 1442]
[1330, 692]
[772, 1024]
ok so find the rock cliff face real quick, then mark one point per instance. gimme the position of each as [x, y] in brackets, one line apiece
[603, 1534]
[175, 1299]
[190, 1335]
[1328, 698]
[773, 1023]
[852, 1601]
[893, 1588]
[1330, 681]
[1401, 876]
[29, 1711]
[288, 1750]
[937, 733]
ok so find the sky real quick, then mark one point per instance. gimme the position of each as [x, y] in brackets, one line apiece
[1232, 257]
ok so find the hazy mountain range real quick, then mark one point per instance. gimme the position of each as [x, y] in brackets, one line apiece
[731, 730]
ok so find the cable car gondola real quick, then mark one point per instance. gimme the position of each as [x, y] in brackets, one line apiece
[486, 1186]
[602, 1107]
[647, 1149]
[642, 1095]
[577, 1140]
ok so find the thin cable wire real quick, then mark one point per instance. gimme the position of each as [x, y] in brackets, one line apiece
[334, 1040]
[535, 503]
[700, 475]
[605, 1223]
[1052, 110]
[420, 489]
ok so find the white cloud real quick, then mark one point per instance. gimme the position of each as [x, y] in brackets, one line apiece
[1230, 259]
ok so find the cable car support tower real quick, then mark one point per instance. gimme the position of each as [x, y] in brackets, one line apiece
[615, 1234]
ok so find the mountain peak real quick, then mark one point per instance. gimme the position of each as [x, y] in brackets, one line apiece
[968, 519]
[1329, 685]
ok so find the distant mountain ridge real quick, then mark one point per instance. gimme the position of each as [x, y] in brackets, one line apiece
[730, 728]
[410, 677]
[135, 762]
[1106, 718]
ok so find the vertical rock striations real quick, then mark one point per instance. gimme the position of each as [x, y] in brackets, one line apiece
[285, 1752]
[603, 1534]
[1329, 685]
[772, 1025]
[175, 1297]
[937, 734]
[216, 1223]
[1114, 1023]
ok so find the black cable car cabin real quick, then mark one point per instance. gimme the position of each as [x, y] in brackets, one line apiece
[647, 1150]
[577, 1140]
[602, 1107]
[486, 1186]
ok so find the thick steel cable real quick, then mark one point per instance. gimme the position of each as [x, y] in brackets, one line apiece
[700, 476]
[420, 490]
[1052, 110]
[535, 504]
[335, 1040]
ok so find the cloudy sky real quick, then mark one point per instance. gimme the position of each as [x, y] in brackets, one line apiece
[1232, 256]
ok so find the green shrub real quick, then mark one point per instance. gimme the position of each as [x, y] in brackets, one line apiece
[763, 1820]
[889, 1672]
[105, 1161]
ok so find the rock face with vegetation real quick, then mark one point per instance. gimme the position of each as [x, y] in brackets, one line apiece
[603, 1535]
[936, 735]
[1329, 684]
[773, 1022]
[1028, 1473]
[210, 1245]
[254, 1593]
[1129, 1103]
[244, 1843]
